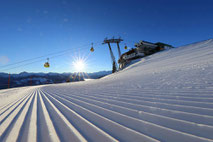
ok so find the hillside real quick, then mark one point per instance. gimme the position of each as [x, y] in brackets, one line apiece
[164, 97]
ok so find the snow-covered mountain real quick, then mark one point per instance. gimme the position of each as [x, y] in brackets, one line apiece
[28, 79]
[3, 75]
[164, 97]
[27, 74]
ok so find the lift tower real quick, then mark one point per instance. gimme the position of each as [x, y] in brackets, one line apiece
[108, 41]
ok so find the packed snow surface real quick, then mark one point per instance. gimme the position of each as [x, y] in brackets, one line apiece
[164, 97]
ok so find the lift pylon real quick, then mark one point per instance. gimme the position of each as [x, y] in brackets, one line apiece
[108, 41]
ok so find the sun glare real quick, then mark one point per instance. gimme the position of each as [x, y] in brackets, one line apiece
[79, 65]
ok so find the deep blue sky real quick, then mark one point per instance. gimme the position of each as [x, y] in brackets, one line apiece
[33, 28]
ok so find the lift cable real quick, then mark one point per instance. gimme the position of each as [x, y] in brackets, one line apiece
[57, 54]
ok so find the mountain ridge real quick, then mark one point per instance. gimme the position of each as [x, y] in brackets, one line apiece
[28, 79]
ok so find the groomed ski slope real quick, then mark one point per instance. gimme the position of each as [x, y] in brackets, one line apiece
[164, 97]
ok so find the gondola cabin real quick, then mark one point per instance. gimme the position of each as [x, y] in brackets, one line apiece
[46, 65]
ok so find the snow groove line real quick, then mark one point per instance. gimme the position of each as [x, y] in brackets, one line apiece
[15, 130]
[168, 97]
[183, 102]
[6, 108]
[152, 130]
[206, 99]
[182, 126]
[13, 102]
[9, 122]
[45, 129]
[32, 127]
[94, 134]
[191, 117]
[28, 130]
[2, 107]
[10, 110]
[157, 91]
[65, 130]
[190, 109]
[172, 93]
[168, 92]
[184, 98]
[116, 130]
[7, 113]
[170, 101]
[205, 111]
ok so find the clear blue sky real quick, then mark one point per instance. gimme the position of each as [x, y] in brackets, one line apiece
[33, 28]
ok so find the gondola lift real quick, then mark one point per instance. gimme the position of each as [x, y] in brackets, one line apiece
[125, 47]
[92, 48]
[47, 64]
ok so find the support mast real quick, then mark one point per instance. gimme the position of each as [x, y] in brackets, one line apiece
[108, 41]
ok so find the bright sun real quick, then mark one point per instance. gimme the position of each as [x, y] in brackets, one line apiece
[79, 65]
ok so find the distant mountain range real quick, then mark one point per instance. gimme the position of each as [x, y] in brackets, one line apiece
[28, 79]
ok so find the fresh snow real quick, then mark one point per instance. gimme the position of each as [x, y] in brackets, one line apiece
[164, 97]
